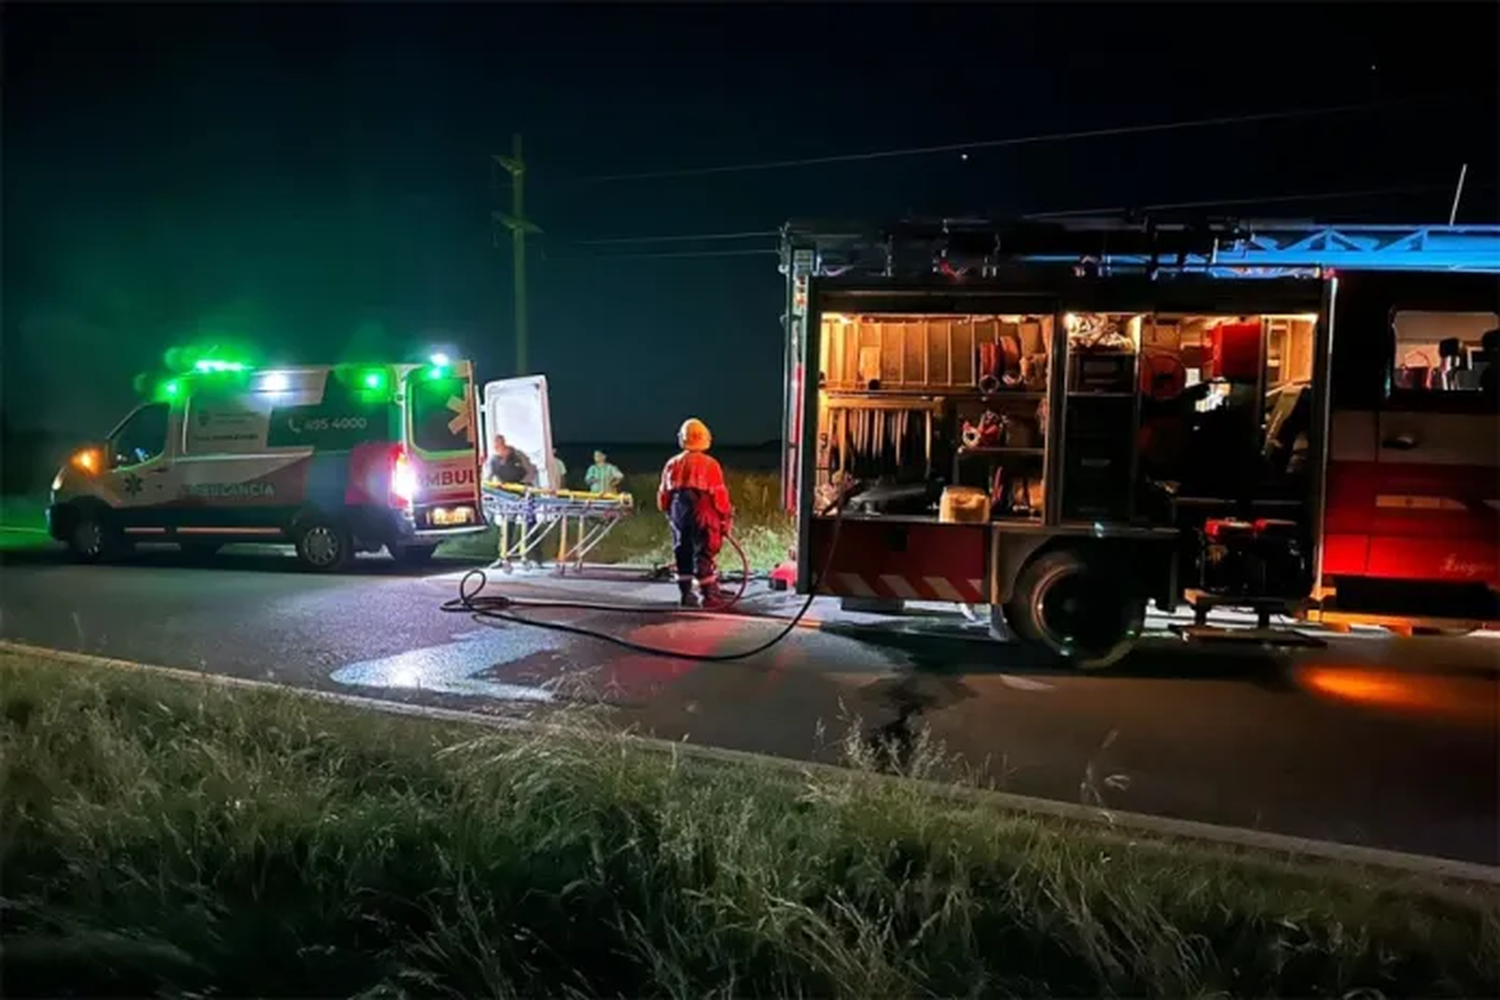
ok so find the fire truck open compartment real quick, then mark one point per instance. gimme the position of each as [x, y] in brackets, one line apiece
[910, 404]
[1041, 418]
[979, 438]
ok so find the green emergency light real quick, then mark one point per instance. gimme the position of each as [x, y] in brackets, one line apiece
[208, 365]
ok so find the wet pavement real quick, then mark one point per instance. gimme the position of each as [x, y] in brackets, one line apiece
[1371, 740]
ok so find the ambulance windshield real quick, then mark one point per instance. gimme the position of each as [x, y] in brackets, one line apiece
[441, 413]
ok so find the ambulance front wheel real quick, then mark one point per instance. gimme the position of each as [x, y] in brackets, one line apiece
[91, 538]
[1078, 607]
[324, 545]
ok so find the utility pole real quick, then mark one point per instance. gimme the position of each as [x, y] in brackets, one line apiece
[519, 227]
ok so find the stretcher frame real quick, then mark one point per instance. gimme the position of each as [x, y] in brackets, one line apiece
[527, 517]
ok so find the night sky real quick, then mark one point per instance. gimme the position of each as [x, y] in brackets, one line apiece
[315, 179]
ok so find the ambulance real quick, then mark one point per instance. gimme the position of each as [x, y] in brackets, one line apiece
[333, 459]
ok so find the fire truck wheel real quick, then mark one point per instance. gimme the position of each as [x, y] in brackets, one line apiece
[413, 555]
[1075, 609]
[323, 544]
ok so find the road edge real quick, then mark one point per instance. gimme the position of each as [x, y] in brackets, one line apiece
[1224, 836]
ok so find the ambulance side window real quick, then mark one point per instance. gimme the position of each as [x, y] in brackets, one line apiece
[142, 437]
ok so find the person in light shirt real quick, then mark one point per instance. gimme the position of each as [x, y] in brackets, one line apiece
[559, 472]
[602, 476]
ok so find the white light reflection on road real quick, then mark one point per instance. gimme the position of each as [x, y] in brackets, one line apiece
[451, 667]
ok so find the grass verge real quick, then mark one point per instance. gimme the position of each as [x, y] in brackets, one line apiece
[23, 523]
[158, 835]
[763, 530]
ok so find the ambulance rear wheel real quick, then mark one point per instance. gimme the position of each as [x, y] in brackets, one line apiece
[324, 545]
[1079, 610]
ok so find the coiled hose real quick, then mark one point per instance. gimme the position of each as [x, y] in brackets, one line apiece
[490, 609]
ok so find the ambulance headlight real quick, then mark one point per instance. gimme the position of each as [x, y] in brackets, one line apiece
[88, 460]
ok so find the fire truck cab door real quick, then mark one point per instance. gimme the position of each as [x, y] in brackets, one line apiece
[1437, 502]
[1417, 474]
[518, 409]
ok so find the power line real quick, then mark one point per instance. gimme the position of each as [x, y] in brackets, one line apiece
[1231, 202]
[957, 147]
[692, 238]
[1038, 216]
[682, 253]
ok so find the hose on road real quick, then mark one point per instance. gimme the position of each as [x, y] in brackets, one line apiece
[491, 609]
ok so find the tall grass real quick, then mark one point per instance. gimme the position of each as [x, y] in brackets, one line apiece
[156, 836]
[761, 528]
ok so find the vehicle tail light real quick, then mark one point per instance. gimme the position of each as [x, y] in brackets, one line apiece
[403, 480]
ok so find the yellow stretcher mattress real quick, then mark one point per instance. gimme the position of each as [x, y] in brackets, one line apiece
[521, 490]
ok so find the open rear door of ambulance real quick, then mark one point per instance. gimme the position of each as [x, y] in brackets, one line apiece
[517, 408]
[441, 445]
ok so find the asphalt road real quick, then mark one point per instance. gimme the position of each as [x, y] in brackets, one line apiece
[1372, 740]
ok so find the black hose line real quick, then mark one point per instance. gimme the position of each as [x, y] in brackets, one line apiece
[493, 608]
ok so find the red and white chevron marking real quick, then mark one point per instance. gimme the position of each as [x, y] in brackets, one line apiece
[905, 588]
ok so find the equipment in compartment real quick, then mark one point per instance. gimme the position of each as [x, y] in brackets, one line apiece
[870, 443]
[964, 505]
[1101, 371]
[1098, 455]
[1001, 364]
[932, 352]
[914, 498]
[1101, 353]
[988, 432]
[903, 394]
[1261, 559]
[993, 429]
[1234, 351]
[1021, 494]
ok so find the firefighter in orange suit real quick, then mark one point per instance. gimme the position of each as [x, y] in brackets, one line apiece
[696, 502]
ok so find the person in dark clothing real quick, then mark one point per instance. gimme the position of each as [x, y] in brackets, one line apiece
[508, 465]
[695, 499]
[1489, 348]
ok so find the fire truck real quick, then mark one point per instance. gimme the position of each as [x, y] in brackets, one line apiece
[1064, 422]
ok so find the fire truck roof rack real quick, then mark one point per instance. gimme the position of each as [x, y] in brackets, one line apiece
[1223, 248]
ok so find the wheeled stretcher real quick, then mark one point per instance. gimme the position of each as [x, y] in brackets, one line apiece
[527, 517]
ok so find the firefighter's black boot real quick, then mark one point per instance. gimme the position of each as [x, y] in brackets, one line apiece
[689, 599]
[714, 596]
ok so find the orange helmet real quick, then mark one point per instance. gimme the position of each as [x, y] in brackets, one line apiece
[693, 435]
